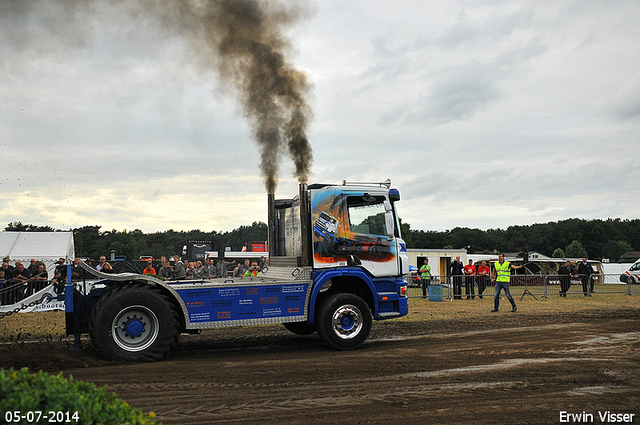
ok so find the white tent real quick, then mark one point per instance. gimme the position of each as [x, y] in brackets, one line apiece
[43, 246]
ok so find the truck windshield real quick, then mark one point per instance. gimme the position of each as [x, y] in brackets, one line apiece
[366, 214]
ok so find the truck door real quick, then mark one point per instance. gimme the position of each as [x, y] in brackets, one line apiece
[351, 231]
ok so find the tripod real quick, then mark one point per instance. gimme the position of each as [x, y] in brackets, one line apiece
[527, 292]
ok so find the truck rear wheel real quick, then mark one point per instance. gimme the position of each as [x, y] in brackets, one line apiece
[134, 323]
[344, 321]
[300, 328]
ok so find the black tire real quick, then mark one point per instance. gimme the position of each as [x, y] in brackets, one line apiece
[134, 323]
[344, 321]
[300, 328]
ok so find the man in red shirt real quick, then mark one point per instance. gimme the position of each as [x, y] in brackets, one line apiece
[149, 269]
[470, 280]
[484, 272]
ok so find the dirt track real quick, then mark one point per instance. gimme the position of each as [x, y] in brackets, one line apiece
[509, 368]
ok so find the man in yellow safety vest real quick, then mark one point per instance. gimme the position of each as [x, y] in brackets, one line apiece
[501, 277]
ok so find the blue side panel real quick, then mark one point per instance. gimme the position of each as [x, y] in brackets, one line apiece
[68, 298]
[254, 304]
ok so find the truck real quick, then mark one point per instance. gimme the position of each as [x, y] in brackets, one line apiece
[196, 250]
[311, 283]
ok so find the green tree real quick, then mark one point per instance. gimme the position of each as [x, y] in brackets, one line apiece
[17, 226]
[558, 253]
[613, 250]
[575, 250]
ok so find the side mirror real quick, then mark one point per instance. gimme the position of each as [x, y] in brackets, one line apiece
[389, 220]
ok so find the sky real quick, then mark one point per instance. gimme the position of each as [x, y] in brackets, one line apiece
[484, 114]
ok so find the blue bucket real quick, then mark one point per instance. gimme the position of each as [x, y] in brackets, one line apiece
[435, 293]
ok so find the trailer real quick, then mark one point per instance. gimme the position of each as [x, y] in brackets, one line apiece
[312, 283]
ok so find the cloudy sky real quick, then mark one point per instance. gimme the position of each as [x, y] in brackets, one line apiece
[483, 114]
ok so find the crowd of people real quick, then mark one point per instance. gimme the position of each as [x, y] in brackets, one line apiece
[471, 276]
[210, 269]
[18, 282]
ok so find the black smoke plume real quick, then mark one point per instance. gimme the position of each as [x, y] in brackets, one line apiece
[248, 40]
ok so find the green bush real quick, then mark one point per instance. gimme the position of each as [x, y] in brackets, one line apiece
[27, 398]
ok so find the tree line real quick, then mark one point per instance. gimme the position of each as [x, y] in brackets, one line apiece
[596, 239]
[91, 242]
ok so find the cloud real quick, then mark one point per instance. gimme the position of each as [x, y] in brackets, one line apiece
[625, 104]
[483, 114]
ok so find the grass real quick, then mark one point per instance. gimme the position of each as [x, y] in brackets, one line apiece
[33, 326]
[51, 325]
[423, 309]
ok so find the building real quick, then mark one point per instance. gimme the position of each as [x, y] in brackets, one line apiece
[439, 259]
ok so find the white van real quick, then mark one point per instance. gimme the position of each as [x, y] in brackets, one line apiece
[632, 275]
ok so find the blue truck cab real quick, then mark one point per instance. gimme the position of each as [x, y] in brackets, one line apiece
[336, 263]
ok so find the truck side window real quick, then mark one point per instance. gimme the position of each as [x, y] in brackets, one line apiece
[366, 214]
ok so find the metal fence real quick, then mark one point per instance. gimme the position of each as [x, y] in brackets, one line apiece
[544, 286]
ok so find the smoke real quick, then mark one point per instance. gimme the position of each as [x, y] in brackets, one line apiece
[243, 40]
[247, 37]
[249, 47]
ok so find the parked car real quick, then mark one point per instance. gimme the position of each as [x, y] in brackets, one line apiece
[632, 275]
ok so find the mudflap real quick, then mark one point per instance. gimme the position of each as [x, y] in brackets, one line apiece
[77, 321]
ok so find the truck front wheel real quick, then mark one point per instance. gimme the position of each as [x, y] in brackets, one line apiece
[134, 323]
[344, 321]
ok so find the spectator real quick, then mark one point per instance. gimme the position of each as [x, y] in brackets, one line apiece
[262, 262]
[106, 268]
[40, 279]
[22, 274]
[246, 266]
[6, 279]
[470, 280]
[8, 260]
[484, 272]
[149, 269]
[585, 271]
[179, 272]
[20, 278]
[165, 269]
[565, 272]
[60, 276]
[76, 271]
[221, 268]
[100, 265]
[209, 269]
[3, 281]
[191, 271]
[253, 271]
[425, 277]
[203, 272]
[199, 268]
[33, 266]
[456, 270]
[502, 277]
